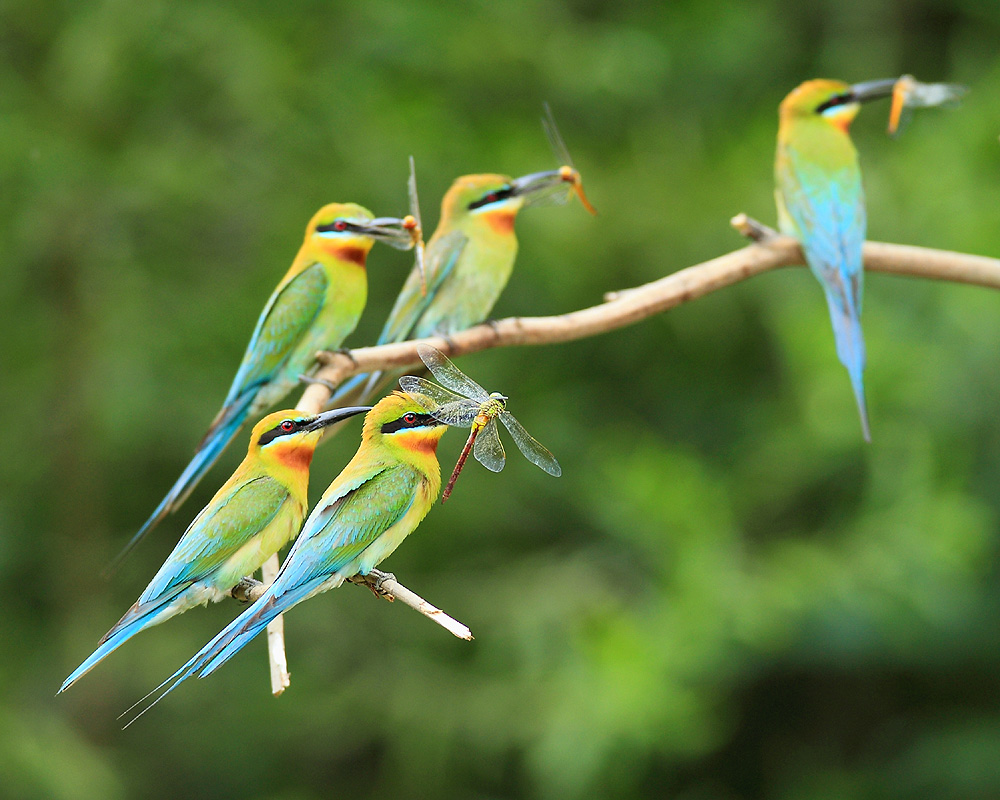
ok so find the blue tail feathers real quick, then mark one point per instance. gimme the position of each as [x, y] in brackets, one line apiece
[234, 637]
[250, 624]
[219, 646]
[857, 382]
[116, 637]
[222, 432]
[227, 643]
[850, 350]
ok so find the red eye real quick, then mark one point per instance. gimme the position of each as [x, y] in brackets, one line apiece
[288, 426]
[340, 225]
[410, 418]
[491, 197]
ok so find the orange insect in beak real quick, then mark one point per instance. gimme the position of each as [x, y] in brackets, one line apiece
[899, 92]
[570, 175]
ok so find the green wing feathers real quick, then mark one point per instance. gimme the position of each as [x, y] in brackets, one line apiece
[283, 323]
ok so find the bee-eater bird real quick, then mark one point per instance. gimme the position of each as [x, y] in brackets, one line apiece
[376, 502]
[821, 203]
[255, 513]
[467, 261]
[314, 307]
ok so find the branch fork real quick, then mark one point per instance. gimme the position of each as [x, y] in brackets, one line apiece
[770, 250]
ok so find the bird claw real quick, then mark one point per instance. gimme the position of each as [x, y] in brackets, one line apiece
[376, 584]
[373, 581]
[310, 379]
[346, 351]
[245, 589]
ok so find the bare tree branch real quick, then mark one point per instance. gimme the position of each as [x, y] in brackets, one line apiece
[381, 583]
[280, 679]
[629, 306]
[620, 309]
[384, 584]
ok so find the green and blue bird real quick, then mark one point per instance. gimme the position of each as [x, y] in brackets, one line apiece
[377, 501]
[468, 260]
[314, 307]
[821, 203]
[255, 513]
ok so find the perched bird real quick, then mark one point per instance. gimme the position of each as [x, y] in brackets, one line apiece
[314, 307]
[820, 202]
[379, 498]
[256, 512]
[468, 260]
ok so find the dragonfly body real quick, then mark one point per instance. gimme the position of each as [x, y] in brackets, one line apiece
[464, 403]
[488, 411]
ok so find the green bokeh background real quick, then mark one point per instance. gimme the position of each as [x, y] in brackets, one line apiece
[726, 595]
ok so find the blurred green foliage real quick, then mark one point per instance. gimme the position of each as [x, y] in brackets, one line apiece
[727, 595]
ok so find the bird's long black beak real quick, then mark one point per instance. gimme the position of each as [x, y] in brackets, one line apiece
[873, 90]
[390, 231]
[538, 182]
[335, 415]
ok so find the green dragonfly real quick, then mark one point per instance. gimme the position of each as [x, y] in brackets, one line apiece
[463, 403]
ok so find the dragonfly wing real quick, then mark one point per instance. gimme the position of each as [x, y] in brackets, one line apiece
[533, 450]
[488, 449]
[448, 374]
[418, 245]
[558, 195]
[925, 95]
[910, 94]
[559, 149]
[443, 405]
[412, 384]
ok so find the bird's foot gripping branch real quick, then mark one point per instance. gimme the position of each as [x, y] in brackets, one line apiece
[769, 251]
[384, 584]
[247, 590]
[381, 584]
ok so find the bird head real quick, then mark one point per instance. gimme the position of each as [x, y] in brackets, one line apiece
[288, 438]
[835, 102]
[402, 424]
[347, 231]
[496, 199]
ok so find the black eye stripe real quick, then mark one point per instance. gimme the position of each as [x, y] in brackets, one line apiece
[401, 423]
[494, 196]
[333, 226]
[836, 100]
[270, 435]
